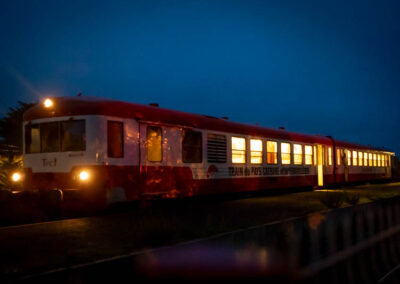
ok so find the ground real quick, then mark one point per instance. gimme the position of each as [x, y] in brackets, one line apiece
[50, 245]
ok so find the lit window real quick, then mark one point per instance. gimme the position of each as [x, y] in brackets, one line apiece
[338, 157]
[298, 154]
[238, 150]
[379, 160]
[329, 156]
[308, 158]
[374, 157]
[315, 155]
[272, 152]
[390, 161]
[285, 153]
[154, 144]
[383, 161]
[370, 159]
[256, 151]
[348, 154]
[354, 158]
[365, 159]
[360, 158]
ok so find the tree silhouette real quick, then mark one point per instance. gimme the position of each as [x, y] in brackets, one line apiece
[11, 130]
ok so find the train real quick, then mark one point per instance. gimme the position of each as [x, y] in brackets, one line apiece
[113, 151]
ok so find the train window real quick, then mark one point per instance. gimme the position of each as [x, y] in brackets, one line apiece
[379, 160]
[365, 159]
[238, 150]
[329, 156]
[154, 144]
[338, 158]
[374, 158]
[360, 158]
[32, 138]
[348, 154]
[285, 153]
[355, 161]
[390, 161]
[49, 137]
[370, 159]
[73, 137]
[115, 139]
[272, 152]
[308, 155]
[315, 155]
[256, 151]
[383, 161]
[297, 154]
[216, 148]
[192, 146]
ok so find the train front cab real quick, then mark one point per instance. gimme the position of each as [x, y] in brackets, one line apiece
[91, 156]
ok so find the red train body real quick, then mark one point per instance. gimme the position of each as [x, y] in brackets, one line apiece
[115, 151]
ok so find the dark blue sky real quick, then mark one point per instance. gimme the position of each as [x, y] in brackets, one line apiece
[319, 67]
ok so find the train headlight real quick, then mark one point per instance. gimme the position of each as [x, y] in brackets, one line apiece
[16, 177]
[48, 103]
[84, 175]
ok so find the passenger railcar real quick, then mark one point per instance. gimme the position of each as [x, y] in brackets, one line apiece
[114, 151]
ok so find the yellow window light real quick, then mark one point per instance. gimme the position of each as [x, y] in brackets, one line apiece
[285, 153]
[238, 150]
[355, 158]
[298, 154]
[348, 154]
[272, 152]
[329, 156]
[256, 151]
[308, 154]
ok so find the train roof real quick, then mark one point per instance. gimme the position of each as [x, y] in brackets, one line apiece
[86, 105]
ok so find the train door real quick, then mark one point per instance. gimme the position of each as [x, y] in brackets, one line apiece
[320, 167]
[346, 165]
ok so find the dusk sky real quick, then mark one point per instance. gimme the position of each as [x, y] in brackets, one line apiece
[317, 67]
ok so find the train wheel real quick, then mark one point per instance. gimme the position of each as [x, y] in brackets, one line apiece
[116, 195]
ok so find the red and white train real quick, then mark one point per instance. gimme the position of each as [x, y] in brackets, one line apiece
[114, 151]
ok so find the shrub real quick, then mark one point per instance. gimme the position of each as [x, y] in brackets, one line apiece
[8, 165]
[332, 199]
[352, 199]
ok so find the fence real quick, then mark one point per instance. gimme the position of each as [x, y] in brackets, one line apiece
[358, 244]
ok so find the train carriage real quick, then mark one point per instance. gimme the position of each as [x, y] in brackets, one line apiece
[112, 151]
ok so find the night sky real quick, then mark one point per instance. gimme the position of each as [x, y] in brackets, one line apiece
[318, 67]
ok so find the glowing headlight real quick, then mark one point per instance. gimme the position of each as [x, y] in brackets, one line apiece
[48, 103]
[83, 175]
[16, 177]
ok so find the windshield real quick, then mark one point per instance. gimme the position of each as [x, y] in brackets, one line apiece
[55, 136]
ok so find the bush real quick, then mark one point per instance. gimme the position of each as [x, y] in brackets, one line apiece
[8, 165]
[332, 199]
[352, 199]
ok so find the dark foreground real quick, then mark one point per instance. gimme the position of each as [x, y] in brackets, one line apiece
[31, 250]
